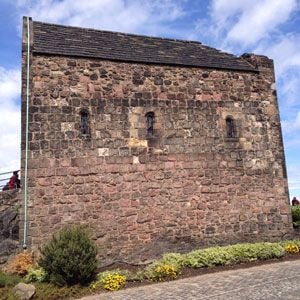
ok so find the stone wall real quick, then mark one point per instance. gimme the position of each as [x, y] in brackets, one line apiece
[187, 185]
[9, 223]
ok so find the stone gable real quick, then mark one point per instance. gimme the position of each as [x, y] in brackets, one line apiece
[169, 183]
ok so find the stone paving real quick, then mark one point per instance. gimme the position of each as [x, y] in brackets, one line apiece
[267, 282]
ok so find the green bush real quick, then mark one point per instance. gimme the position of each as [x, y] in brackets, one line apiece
[297, 242]
[234, 254]
[166, 268]
[136, 276]
[296, 215]
[209, 257]
[8, 280]
[69, 258]
[257, 251]
[173, 259]
[35, 274]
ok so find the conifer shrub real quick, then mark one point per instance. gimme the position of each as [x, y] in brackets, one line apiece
[69, 257]
[296, 215]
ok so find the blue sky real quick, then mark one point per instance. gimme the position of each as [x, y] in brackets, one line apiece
[268, 27]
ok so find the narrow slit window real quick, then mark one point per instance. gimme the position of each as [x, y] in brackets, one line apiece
[230, 128]
[84, 122]
[150, 124]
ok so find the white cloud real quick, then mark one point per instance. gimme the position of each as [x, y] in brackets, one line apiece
[285, 50]
[119, 15]
[261, 20]
[291, 126]
[9, 86]
[297, 122]
[247, 22]
[10, 121]
[294, 179]
[225, 12]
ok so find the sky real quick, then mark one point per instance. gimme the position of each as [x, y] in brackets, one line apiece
[267, 27]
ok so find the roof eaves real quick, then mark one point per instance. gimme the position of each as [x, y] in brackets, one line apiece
[150, 62]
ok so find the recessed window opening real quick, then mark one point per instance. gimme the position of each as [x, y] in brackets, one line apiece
[230, 127]
[84, 122]
[150, 124]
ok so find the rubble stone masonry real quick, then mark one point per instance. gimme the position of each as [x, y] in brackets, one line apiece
[10, 203]
[185, 186]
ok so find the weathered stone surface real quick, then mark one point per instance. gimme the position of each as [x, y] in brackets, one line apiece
[187, 184]
[9, 224]
[7, 248]
[24, 291]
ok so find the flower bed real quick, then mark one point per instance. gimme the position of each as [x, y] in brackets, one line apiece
[169, 267]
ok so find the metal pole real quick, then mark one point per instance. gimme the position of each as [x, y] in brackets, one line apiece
[26, 138]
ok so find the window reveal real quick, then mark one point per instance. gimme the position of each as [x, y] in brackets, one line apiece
[150, 124]
[84, 122]
[230, 128]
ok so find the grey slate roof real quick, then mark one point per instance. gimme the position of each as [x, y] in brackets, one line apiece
[83, 42]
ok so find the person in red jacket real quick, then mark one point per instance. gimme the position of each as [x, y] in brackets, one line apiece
[14, 181]
[295, 201]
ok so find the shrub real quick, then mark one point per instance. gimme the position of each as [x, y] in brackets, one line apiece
[209, 257]
[137, 275]
[296, 213]
[159, 271]
[291, 248]
[8, 280]
[110, 280]
[69, 258]
[251, 252]
[35, 274]
[234, 254]
[173, 259]
[296, 242]
[21, 263]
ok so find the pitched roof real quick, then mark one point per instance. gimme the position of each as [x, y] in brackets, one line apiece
[83, 42]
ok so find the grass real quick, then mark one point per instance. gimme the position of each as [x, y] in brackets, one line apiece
[7, 280]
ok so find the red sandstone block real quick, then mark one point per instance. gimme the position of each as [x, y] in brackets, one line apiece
[61, 171]
[44, 182]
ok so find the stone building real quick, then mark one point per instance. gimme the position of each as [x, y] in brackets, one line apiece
[155, 144]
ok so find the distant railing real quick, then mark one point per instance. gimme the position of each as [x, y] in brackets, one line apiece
[4, 181]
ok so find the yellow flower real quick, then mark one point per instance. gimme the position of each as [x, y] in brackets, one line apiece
[291, 248]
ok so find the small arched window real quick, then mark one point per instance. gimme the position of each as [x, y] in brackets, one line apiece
[84, 122]
[150, 124]
[230, 127]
